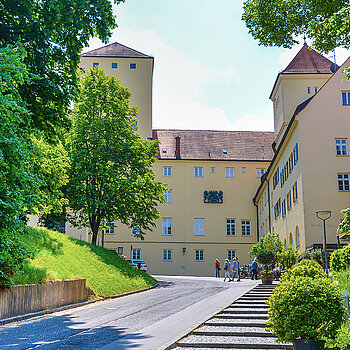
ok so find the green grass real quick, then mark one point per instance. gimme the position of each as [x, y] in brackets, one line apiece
[342, 341]
[59, 257]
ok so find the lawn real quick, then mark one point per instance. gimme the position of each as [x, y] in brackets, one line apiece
[59, 257]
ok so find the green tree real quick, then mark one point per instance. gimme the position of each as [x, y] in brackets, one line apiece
[111, 174]
[54, 33]
[344, 226]
[277, 23]
[18, 184]
[287, 257]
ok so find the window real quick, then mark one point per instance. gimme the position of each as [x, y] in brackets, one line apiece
[135, 230]
[168, 195]
[120, 250]
[167, 226]
[244, 170]
[164, 150]
[343, 182]
[316, 90]
[199, 227]
[212, 170]
[136, 254]
[277, 209]
[283, 208]
[260, 172]
[199, 255]
[231, 254]
[230, 172]
[198, 172]
[295, 192]
[341, 146]
[95, 64]
[114, 65]
[276, 177]
[224, 151]
[109, 227]
[230, 227]
[167, 171]
[346, 98]
[167, 255]
[309, 90]
[246, 227]
[132, 65]
[289, 200]
[298, 236]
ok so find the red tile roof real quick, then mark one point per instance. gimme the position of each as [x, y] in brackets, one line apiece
[211, 145]
[309, 61]
[115, 50]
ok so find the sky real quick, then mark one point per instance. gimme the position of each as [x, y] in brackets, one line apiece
[209, 73]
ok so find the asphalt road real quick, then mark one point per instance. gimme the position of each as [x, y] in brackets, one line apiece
[147, 320]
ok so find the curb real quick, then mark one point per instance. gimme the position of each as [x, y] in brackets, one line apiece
[71, 306]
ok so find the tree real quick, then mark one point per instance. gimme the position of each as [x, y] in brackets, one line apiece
[344, 226]
[18, 184]
[111, 174]
[54, 33]
[287, 257]
[277, 23]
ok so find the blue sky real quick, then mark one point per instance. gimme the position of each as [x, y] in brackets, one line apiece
[209, 72]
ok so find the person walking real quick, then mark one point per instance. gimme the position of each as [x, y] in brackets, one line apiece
[238, 272]
[217, 268]
[254, 269]
[234, 269]
[227, 269]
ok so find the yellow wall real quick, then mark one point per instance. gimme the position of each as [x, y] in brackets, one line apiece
[139, 82]
[187, 205]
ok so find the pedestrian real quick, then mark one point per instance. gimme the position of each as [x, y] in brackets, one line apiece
[238, 272]
[217, 268]
[235, 269]
[277, 272]
[227, 268]
[254, 269]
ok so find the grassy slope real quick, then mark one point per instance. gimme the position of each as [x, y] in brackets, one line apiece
[62, 257]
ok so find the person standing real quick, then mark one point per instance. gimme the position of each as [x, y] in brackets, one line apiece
[227, 269]
[234, 269]
[254, 269]
[217, 268]
[238, 272]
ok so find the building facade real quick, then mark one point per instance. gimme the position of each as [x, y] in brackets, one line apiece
[225, 189]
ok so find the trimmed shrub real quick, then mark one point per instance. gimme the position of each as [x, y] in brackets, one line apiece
[307, 308]
[305, 268]
[340, 259]
[314, 254]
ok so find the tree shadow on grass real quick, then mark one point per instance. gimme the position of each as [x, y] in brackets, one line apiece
[44, 242]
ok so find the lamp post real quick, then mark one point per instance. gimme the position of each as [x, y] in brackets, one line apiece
[324, 215]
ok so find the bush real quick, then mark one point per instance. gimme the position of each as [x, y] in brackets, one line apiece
[305, 308]
[340, 259]
[305, 268]
[314, 254]
[287, 257]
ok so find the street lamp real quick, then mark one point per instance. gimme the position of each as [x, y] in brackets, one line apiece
[324, 215]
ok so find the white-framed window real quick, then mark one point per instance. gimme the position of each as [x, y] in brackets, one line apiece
[230, 227]
[231, 254]
[212, 170]
[132, 65]
[120, 250]
[109, 228]
[168, 196]
[341, 146]
[167, 255]
[246, 227]
[199, 227]
[167, 226]
[136, 254]
[345, 98]
[244, 170]
[135, 230]
[199, 255]
[167, 171]
[95, 64]
[114, 65]
[198, 172]
[230, 172]
[343, 182]
[295, 192]
[260, 172]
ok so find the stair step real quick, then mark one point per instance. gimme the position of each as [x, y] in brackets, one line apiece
[250, 311]
[232, 331]
[234, 323]
[242, 316]
[249, 306]
[230, 342]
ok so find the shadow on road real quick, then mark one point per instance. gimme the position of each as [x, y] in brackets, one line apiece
[165, 284]
[63, 332]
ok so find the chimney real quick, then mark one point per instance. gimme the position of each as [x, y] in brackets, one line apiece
[177, 147]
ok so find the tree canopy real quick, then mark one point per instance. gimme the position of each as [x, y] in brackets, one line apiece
[111, 174]
[277, 23]
[53, 33]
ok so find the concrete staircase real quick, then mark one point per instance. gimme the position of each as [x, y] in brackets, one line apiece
[239, 326]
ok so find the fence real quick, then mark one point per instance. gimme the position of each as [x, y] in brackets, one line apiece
[29, 298]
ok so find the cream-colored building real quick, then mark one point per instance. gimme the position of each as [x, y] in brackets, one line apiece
[311, 166]
[213, 176]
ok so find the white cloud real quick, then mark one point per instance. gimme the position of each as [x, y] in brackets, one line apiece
[251, 122]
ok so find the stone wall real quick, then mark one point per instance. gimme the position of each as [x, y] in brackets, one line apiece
[29, 298]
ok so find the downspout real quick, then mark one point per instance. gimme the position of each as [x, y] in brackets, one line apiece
[257, 219]
[268, 201]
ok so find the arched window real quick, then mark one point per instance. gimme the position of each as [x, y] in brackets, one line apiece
[291, 239]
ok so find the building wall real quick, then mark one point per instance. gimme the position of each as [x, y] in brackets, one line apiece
[138, 81]
[188, 204]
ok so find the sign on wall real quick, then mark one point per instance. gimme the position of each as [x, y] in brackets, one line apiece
[213, 197]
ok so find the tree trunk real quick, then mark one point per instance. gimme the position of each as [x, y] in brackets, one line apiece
[94, 228]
